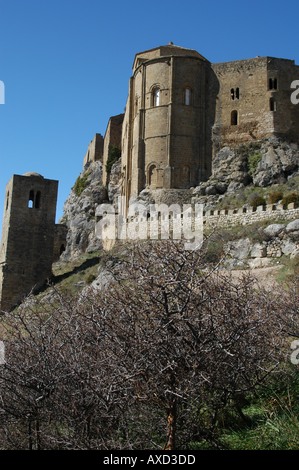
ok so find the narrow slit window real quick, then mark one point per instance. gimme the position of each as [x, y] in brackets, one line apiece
[187, 96]
[234, 118]
[7, 200]
[273, 106]
[273, 84]
[235, 93]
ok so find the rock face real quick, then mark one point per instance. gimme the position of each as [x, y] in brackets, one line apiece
[114, 184]
[260, 163]
[278, 160]
[79, 212]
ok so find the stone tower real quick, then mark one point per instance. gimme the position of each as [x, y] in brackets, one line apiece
[28, 232]
[166, 140]
[254, 101]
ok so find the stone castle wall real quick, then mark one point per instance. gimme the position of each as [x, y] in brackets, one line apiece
[181, 110]
[247, 216]
[112, 138]
[94, 151]
[254, 100]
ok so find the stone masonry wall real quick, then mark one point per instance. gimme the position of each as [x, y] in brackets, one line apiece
[247, 216]
[94, 150]
[112, 139]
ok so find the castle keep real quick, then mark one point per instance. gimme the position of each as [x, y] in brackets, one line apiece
[182, 109]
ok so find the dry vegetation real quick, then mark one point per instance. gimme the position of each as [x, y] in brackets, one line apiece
[154, 361]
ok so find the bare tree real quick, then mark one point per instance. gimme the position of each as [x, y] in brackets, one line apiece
[147, 362]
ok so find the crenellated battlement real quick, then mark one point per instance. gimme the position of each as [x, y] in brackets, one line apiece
[249, 215]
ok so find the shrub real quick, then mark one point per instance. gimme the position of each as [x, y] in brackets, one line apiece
[275, 196]
[256, 200]
[90, 278]
[113, 155]
[291, 197]
[81, 184]
[253, 161]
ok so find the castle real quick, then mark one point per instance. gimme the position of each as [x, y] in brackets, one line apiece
[181, 110]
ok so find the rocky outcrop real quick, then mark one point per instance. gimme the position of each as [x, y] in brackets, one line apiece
[277, 240]
[262, 163]
[259, 163]
[114, 183]
[79, 212]
[278, 161]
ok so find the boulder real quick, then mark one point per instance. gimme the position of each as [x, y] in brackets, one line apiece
[239, 249]
[259, 250]
[274, 230]
[288, 247]
[211, 190]
[293, 226]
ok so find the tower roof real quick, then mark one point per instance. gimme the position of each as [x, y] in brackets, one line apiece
[32, 173]
[166, 51]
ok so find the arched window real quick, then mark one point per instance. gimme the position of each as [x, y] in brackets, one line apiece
[34, 200]
[234, 118]
[152, 175]
[31, 199]
[156, 96]
[187, 96]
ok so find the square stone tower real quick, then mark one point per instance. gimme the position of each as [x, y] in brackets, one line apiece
[28, 230]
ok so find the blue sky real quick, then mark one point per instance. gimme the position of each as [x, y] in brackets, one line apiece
[66, 65]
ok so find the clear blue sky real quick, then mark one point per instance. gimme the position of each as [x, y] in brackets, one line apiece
[66, 66]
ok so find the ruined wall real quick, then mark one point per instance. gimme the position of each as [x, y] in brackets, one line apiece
[60, 236]
[112, 138]
[95, 150]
